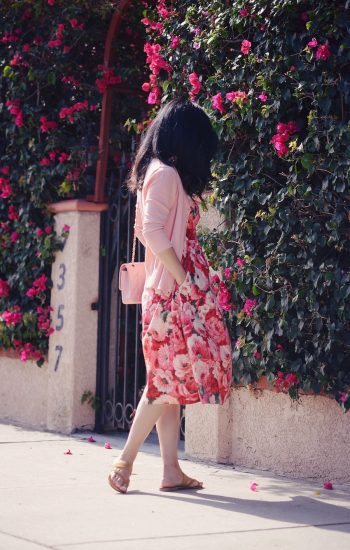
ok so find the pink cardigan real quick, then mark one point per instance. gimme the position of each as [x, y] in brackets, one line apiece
[162, 210]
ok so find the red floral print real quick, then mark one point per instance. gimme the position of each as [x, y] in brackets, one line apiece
[186, 343]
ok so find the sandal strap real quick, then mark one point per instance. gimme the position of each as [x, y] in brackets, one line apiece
[121, 464]
[190, 481]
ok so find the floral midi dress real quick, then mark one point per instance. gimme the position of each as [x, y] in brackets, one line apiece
[186, 343]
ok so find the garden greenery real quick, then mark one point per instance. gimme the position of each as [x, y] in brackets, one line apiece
[52, 81]
[274, 76]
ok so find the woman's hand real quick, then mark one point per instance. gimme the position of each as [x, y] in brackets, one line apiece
[183, 280]
[170, 260]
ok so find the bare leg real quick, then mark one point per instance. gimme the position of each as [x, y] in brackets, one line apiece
[145, 418]
[168, 428]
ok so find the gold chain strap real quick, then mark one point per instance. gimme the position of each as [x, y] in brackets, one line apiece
[134, 241]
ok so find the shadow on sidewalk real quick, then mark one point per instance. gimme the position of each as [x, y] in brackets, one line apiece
[299, 509]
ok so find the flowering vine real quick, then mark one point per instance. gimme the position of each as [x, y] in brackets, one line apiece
[271, 76]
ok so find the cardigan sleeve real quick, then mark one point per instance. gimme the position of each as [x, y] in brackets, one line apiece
[160, 196]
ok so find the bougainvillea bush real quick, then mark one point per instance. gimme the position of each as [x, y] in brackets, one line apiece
[52, 81]
[274, 75]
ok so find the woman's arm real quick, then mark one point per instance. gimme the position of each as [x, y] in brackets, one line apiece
[161, 194]
[169, 258]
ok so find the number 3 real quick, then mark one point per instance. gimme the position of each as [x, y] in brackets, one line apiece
[62, 267]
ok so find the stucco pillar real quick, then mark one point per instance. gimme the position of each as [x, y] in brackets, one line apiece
[209, 432]
[73, 344]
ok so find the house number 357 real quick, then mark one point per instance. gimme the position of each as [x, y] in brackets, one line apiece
[60, 316]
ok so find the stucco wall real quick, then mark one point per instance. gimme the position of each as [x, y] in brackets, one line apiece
[50, 397]
[266, 430]
[23, 392]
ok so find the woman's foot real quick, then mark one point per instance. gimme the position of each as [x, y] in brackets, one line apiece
[119, 477]
[175, 479]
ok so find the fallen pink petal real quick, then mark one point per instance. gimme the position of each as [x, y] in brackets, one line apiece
[91, 439]
[69, 452]
[328, 484]
[108, 445]
[253, 486]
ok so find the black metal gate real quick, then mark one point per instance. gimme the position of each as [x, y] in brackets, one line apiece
[120, 364]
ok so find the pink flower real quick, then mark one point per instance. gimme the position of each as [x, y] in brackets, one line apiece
[74, 22]
[40, 282]
[63, 157]
[66, 227]
[51, 2]
[323, 52]
[12, 213]
[254, 486]
[343, 397]
[248, 307]
[195, 83]
[15, 110]
[14, 236]
[313, 43]
[245, 47]
[240, 262]
[281, 148]
[108, 445]
[26, 48]
[39, 232]
[238, 343]
[216, 102]
[284, 132]
[16, 60]
[5, 170]
[224, 299]
[45, 162]
[263, 97]
[328, 484]
[291, 378]
[13, 316]
[54, 43]
[257, 355]
[48, 229]
[196, 45]
[228, 272]
[154, 96]
[244, 12]
[4, 288]
[47, 125]
[236, 97]
[175, 42]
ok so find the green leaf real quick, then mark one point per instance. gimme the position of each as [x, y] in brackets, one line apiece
[307, 161]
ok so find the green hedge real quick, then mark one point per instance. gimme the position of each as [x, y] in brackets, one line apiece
[274, 76]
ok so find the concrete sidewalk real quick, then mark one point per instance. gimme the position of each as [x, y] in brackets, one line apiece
[53, 500]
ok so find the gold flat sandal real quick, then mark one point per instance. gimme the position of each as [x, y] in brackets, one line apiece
[117, 472]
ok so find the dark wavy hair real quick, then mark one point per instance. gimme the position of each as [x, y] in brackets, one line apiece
[181, 135]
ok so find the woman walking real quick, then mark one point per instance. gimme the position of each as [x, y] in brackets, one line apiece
[185, 341]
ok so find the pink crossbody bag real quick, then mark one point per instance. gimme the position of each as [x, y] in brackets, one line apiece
[132, 278]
